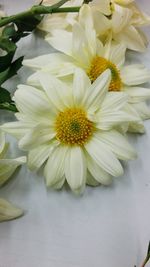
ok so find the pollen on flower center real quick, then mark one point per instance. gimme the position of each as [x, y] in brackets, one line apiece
[98, 66]
[73, 127]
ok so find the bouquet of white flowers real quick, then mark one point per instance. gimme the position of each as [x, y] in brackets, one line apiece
[74, 113]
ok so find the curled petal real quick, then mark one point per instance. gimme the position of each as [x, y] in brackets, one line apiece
[8, 211]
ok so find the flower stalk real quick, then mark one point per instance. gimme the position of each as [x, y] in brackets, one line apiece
[147, 256]
[39, 10]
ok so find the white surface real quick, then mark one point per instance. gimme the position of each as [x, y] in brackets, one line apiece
[106, 227]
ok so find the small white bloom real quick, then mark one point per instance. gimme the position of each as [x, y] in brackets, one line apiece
[8, 211]
[94, 58]
[70, 128]
[7, 166]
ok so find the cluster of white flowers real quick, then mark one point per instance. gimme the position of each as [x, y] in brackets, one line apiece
[78, 105]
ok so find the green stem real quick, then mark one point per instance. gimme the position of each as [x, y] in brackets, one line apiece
[67, 9]
[145, 262]
[39, 10]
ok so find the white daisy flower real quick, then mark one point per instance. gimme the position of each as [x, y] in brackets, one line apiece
[71, 129]
[94, 58]
[8, 211]
[7, 166]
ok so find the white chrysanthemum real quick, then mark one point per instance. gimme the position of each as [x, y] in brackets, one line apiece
[8, 211]
[125, 24]
[71, 128]
[121, 17]
[7, 166]
[94, 58]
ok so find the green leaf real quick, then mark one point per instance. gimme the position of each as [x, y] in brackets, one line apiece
[10, 48]
[4, 96]
[6, 101]
[11, 71]
[12, 33]
[9, 31]
[7, 45]
[28, 24]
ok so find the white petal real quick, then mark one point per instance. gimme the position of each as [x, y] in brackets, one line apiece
[41, 61]
[137, 94]
[142, 109]
[100, 48]
[61, 40]
[54, 169]
[33, 80]
[4, 151]
[123, 2]
[17, 128]
[97, 91]
[108, 46]
[8, 166]
[56, 64]
[81, 43]
[51, 22]
[58, 185]
[103, 6]
[38, 156]
[136, 128]
[58, 92]
[131, 38]
[90, 180]
[38, 135]
[8, 211]
[111, 119]
[135, 74]
[86, 21]
[85, 17]
[117, 54]
[97, 172]
[81, 85]
[101, 23]
[118, 144]
[2, 141]
[104, 157]
[75, 169]
[113, 112]
[120, 18]
[33, 102]
[114, 101]
[139, 18]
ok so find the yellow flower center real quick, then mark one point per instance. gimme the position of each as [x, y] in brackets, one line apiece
[73, 127]
[98, 66]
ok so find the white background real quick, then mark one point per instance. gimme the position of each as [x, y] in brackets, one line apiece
[106, 227]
